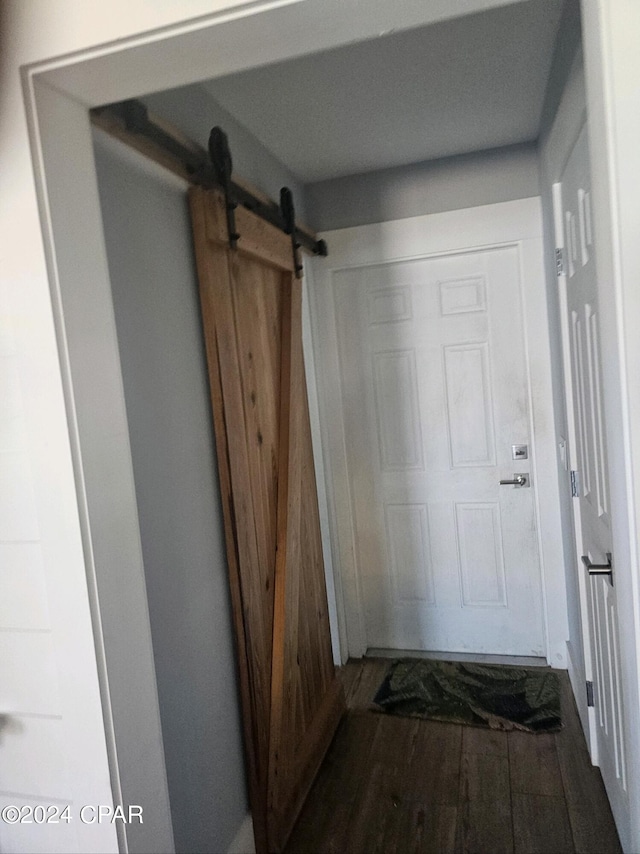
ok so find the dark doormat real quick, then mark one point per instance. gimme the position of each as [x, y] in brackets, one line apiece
[487, 695]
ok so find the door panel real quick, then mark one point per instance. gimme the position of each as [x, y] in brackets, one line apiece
[600, 621]
[435, 393]
[291, 698]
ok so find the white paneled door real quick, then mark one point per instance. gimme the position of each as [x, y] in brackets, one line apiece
[600, 623]
[434, 397]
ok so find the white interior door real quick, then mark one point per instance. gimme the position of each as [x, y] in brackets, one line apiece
[435, 395]
[600, 621]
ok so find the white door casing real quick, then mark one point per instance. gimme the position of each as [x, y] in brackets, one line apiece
[599, 611]
[413, 487]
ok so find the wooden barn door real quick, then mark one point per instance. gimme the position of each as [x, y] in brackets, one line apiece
[291, 698]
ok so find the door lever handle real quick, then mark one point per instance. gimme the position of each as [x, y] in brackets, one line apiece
[518, 480]
[599, 568]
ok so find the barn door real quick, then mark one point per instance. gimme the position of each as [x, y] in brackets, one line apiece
[291, 699]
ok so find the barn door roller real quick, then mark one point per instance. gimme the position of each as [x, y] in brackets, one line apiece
[223, 166]
[289, 215]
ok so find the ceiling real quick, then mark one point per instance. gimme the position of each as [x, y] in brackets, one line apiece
[462, 85]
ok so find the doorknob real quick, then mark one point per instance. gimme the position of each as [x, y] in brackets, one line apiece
[521, 479]
[599, 568]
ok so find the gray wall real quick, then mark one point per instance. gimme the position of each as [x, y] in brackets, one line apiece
[149, 248]
[452, 183]
[554, 149]
[195, 112]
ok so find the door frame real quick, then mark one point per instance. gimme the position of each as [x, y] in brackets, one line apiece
[518, 224]
[93, 554]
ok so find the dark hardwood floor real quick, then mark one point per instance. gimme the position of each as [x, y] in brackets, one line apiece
[403, 786]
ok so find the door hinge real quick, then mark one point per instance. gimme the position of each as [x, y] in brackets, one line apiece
[559, 262]
[590, 694]
[575, 484]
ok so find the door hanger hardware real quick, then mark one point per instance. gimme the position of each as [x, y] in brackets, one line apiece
[599, 568]
[520, 479]
[220, 155]
[289, 216]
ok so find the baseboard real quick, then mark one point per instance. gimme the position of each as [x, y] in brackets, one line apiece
[471, 657]
[243, 841]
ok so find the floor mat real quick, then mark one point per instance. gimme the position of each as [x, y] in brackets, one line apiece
[490, 695]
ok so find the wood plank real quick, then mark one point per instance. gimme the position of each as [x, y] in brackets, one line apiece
[349, 673]
[481, 740]
[369, 680]
[590, 815]
[534, 766]
[307, 699]
[115, 127]
[258, 238]
[484, 814]
[541, 825]
[306, 763]
[383, 823]
[417, 828]
[433, 773]
[325, 817]
[395, 740]
[213, 273]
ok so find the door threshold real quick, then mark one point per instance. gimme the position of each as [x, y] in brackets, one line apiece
[473, 657]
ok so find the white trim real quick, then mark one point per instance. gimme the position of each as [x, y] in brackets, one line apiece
[517, 224]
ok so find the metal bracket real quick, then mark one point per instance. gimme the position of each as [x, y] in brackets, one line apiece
[605, 569]
[575, 485]
[560, 262]
[590, 699]
[223, 166]
[289, 216]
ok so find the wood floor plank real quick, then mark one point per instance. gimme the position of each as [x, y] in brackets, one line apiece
[484, 814]
[349, 674]
[325, 818]
[395, 739]
[368, 681]
[383, 822]
[373, 813]
[433, 773]
[534, 766]
[482, 740]
[594, 831]
[541, 825]
[417, 828]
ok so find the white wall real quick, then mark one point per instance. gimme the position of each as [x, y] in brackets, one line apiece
[151, 266]
[449, 184]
